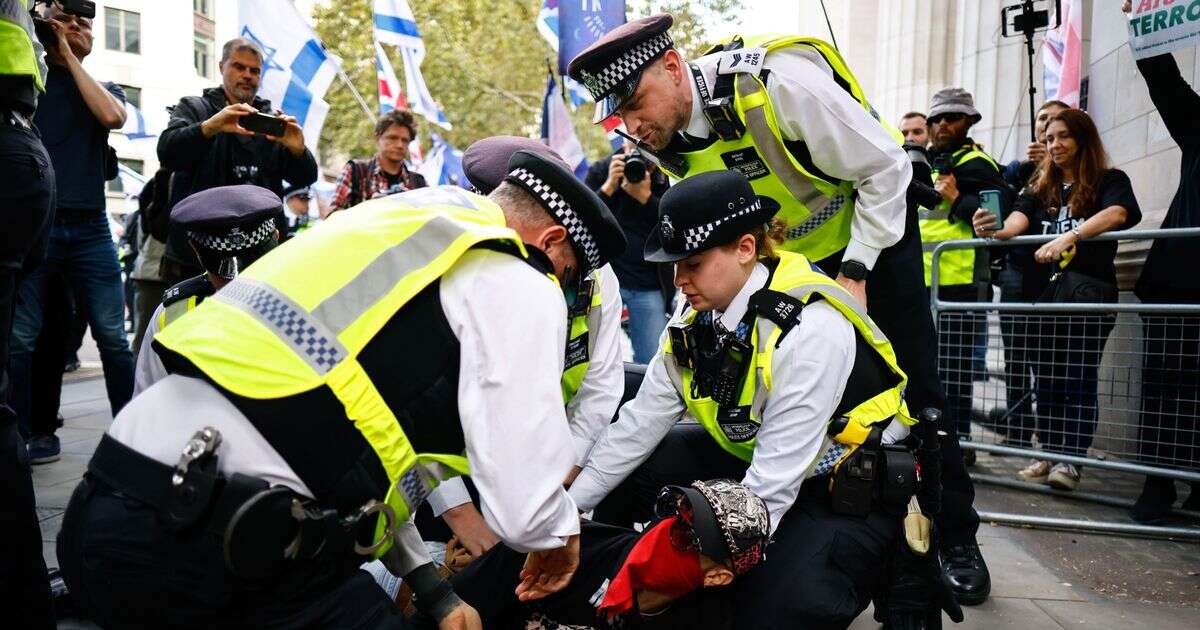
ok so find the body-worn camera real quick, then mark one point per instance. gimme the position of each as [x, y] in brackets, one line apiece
[635, 167]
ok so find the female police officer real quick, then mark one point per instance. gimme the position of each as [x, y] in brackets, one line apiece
[782, 380]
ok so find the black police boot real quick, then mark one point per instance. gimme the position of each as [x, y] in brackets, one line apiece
[968, 573]
[1154, 504]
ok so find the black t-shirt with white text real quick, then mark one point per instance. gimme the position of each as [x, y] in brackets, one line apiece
[1093, 258]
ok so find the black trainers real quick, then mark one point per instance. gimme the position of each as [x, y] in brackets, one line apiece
[968, 573]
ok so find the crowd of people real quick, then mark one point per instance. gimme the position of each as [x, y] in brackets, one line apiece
[307, 398]
[1065, 188]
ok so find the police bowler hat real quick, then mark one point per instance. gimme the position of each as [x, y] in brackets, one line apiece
[704, 211]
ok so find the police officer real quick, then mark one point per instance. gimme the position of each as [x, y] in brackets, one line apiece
[593, 371]
[227, 227]
[792, 388]
[315, 401]
[961, 172]
[788, 113]
[28, 193]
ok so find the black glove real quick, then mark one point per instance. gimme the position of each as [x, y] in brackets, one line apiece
[929, 458]
[917, 593]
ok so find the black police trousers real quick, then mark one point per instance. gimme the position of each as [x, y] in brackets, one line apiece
[899, 304]
[126, 571]
[26, 208]
[821, 568]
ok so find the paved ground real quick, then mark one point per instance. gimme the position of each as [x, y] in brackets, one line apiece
[1041, 579]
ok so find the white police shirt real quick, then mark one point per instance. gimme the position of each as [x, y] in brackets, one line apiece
[844, 140]
[811, 367]
[149, 369]
[509, 399]
[594, 404]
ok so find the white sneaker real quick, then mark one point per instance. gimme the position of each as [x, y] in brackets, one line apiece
[1035, 472]
[1063, 477]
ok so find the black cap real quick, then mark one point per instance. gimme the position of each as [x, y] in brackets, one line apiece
[612, 66]
[485, 162]
[595, 234]
[228, 221]
[704, 211]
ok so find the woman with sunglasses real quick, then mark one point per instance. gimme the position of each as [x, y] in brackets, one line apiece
[778, 376]
[1075, 196]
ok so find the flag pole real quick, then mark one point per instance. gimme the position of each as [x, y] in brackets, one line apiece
[358, 97]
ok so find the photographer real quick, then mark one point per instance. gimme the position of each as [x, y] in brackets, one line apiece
[206, 145]
[631, 186]
[25, 201]
[74, 119]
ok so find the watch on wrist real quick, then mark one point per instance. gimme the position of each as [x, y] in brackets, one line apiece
[1075, 231]
[854, 270]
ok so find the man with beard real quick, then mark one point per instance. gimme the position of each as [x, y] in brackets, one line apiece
[205, 146]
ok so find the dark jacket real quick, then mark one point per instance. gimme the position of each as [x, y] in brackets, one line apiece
[198, 163]
[637, 220]
[1169, 273]
[972, 177]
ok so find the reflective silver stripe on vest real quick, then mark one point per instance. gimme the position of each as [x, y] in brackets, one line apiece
[779, 162]
[313, 335]
[941, 212]
[308, 337]
[419, 249]
[594, 316]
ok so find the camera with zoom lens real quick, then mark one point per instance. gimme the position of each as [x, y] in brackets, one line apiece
[635, 167]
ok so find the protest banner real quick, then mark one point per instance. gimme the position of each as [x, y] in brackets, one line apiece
[1162, 26]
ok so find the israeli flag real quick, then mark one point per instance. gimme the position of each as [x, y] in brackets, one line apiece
[443, 165]
[297, 70]
[395, 25]
[390, 96]
[132, 181]
[557, 131]
[138, 127]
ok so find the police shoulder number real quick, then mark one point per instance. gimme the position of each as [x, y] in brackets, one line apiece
[749, 60]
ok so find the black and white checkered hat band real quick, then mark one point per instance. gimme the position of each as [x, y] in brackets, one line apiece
[563, 213]
[694, 237]
[621, 68]
[235, 240]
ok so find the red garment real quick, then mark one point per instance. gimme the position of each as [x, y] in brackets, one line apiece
[654, 564]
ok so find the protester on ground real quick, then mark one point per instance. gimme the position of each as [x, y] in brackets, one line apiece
[28, 212]
[706, 536]
[229, 227]
[74, 118]
[770, 107]
[961, 172]
[633, 199]
[438, 329]
[1076, 196]
[204, 146]
[1170, 434]
[385, 174]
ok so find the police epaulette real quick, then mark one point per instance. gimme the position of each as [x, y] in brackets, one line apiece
[781, 308]
[198, 286]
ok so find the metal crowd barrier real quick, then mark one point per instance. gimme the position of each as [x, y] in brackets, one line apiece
[1104, 386]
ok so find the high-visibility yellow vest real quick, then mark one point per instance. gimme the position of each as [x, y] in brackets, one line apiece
[815, 208]
[795, 276]
[956, 266]
[298, 318]
[581, 342]
[18, 54]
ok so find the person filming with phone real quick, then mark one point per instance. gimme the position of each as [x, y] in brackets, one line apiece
[226, 136]
[967, 178]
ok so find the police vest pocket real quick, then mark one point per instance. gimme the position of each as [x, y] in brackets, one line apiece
[22, 169]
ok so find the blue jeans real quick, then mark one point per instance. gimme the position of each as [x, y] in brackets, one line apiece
[647, 319]
[87, 257]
